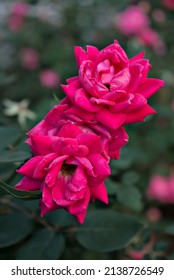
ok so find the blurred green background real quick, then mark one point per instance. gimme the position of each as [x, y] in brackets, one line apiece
[36, 55]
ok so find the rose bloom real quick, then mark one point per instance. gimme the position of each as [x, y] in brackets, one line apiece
[20, 9]
[161, 188]
[151, 38]
[112, 140]
[112, 86]
[136, 255]
[154, 214]
[29, 58]
[169, 4]
[132, 20]
[49, 78]
[69, 169]
[18, 12]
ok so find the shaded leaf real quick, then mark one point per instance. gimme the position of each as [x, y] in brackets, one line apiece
[130, 177]
[10, 156]
[19, 194]
[61, 218]
[169, 229]
[9, 134]
[111, 186]
[130, 197]
[14, 227]
[44, 245]
[107, 230]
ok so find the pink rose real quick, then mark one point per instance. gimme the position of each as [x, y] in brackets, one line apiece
[29, 58]
[169, 4]
[49, 78]
[69, 169]
[161, 188]
[136, 255]
[154, 214]
[132, 20]
[15, 23]
[112, 140]
[112, 86]
[151, 38]
[17, 15]
[20, 9]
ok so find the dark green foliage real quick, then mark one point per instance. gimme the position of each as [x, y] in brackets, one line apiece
[107, 230]
[15, 226]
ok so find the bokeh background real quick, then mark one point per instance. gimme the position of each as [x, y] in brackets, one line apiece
[36, 55]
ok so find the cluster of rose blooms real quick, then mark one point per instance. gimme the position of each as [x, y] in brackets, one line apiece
[73, 144]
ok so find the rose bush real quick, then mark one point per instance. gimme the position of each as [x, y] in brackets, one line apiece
[69, 169]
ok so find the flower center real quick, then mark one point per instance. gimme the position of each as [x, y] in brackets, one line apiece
[68, 169]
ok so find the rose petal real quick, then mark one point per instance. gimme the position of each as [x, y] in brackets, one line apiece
[99, 193]
[109, 119]
[150, 86]
[27, 184]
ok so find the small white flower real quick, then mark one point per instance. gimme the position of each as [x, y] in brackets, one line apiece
[19, 109]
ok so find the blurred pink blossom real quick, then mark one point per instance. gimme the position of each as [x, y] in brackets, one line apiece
[161, 188]
[169, 3]
[18, 12]
[29, 58]
[159, 15]
[153, 214]
[132, 21]
[136, 255]
[151, 38]
[20, 9]
[15, 23]
[49, 78]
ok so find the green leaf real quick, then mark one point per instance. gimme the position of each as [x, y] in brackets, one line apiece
[14, 227]
[130, 197]
[10, 156]
[61, 218]
[9, 134]
[44, 245]
[130, 178]
[112, 186]
[169, 229]
[107, 230]
[19, 194]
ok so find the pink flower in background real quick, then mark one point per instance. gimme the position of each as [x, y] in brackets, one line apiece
[132, 20]
[20, 9]
[29, 58]
[15, 23]
[49, 78]
[17, 15]
[161, 188]
[69, 169]
[112, 86]
[151, 38]
[159, 15]
[154, 214]
[136, 255]
[169, 3]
